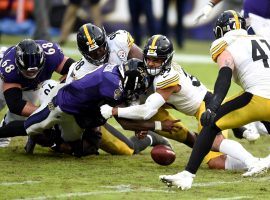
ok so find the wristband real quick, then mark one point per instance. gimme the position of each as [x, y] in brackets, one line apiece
[158, 126]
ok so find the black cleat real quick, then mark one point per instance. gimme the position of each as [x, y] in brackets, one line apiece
[30, 146]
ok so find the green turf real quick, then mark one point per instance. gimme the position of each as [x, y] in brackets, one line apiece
[45, 175]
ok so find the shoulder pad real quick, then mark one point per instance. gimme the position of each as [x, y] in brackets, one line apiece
[217, 47]
[122, 38]
[168, 79]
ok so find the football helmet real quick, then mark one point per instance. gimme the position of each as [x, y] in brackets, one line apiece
[29, 58]
[158, 47]
[92, 44]
[134, 78]
[227, 21]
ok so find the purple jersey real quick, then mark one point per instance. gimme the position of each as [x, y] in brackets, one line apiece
[85, 95]
[259, 7]
[10, 73]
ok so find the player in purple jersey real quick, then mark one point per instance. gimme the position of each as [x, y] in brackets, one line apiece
[75, 106]
[23, 69]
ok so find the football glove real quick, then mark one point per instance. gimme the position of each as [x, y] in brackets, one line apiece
[106, 111]
[208, 117]
[204, 12]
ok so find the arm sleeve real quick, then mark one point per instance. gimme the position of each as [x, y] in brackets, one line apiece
[144, 111]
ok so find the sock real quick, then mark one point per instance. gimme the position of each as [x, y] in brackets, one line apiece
[238, 132]
[201, 147]
[12, 129]
[158, 139]
[140, 144]
[236, 150]
[234, 164]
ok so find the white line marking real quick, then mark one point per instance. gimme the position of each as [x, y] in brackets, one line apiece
[231, 198]
[18, 183]
[189, 58]
[79, 194]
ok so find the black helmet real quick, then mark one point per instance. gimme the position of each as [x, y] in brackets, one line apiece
[29, 58]
[158, 47]
[134, 78]
[227, 21]
[92, 44]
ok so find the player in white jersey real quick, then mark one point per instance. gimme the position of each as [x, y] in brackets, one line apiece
[249, 69]
[97, 49]
[181, 90]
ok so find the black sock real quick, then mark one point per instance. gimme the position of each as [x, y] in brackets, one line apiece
[238, 132]
[201, 147]
[267, 126]
[12, 129]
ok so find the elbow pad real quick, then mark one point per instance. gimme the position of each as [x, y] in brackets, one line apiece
[15, 103]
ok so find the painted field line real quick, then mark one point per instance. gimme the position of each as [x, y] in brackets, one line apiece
[80, 194]
[18, 183]
[231, 198]
[188, 58]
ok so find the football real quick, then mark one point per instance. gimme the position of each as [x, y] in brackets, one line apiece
[163, 155]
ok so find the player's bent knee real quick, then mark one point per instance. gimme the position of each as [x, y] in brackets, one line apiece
[217, 162]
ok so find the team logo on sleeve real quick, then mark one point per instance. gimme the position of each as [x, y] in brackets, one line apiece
[122, 54]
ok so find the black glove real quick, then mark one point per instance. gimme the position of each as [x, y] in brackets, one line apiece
[208, 118]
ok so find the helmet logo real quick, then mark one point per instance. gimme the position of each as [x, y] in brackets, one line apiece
[92, 46]
[91, 42]
[152, 51]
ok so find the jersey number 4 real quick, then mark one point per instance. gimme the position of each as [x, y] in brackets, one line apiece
[258, 53]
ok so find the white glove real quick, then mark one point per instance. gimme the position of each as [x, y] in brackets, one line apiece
[181, 180]
[205, 12]
[106, 111]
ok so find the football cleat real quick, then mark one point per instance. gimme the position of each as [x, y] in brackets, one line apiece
[251, 135]
[258, 168]
[4, 142]
[30, 146]
[182, 180]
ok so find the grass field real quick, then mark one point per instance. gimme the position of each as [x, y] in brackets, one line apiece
[45, 175]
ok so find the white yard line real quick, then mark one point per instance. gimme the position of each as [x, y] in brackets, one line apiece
[188, 58]
[18, 183]
[117, 189]
[231, 198]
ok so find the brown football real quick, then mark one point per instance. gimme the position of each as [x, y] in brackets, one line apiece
[163, 155]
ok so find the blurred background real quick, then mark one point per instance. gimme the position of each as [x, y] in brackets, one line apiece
[58, 20]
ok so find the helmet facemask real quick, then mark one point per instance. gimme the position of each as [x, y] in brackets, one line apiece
[160, 50]
[30, 63]
[134, 79]
[92, 43]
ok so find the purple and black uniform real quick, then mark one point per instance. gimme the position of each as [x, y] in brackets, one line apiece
[84, 95]
[259, 7]
[10, 73]
[80, 101]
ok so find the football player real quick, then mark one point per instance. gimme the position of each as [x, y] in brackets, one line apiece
[184, 92]
[76, 106]
[98, 48]
[257, 16]
[250, 70]
[23, 69]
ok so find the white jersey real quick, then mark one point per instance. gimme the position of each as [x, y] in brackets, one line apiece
[250, 54]
[119, 44]
[191, 94]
